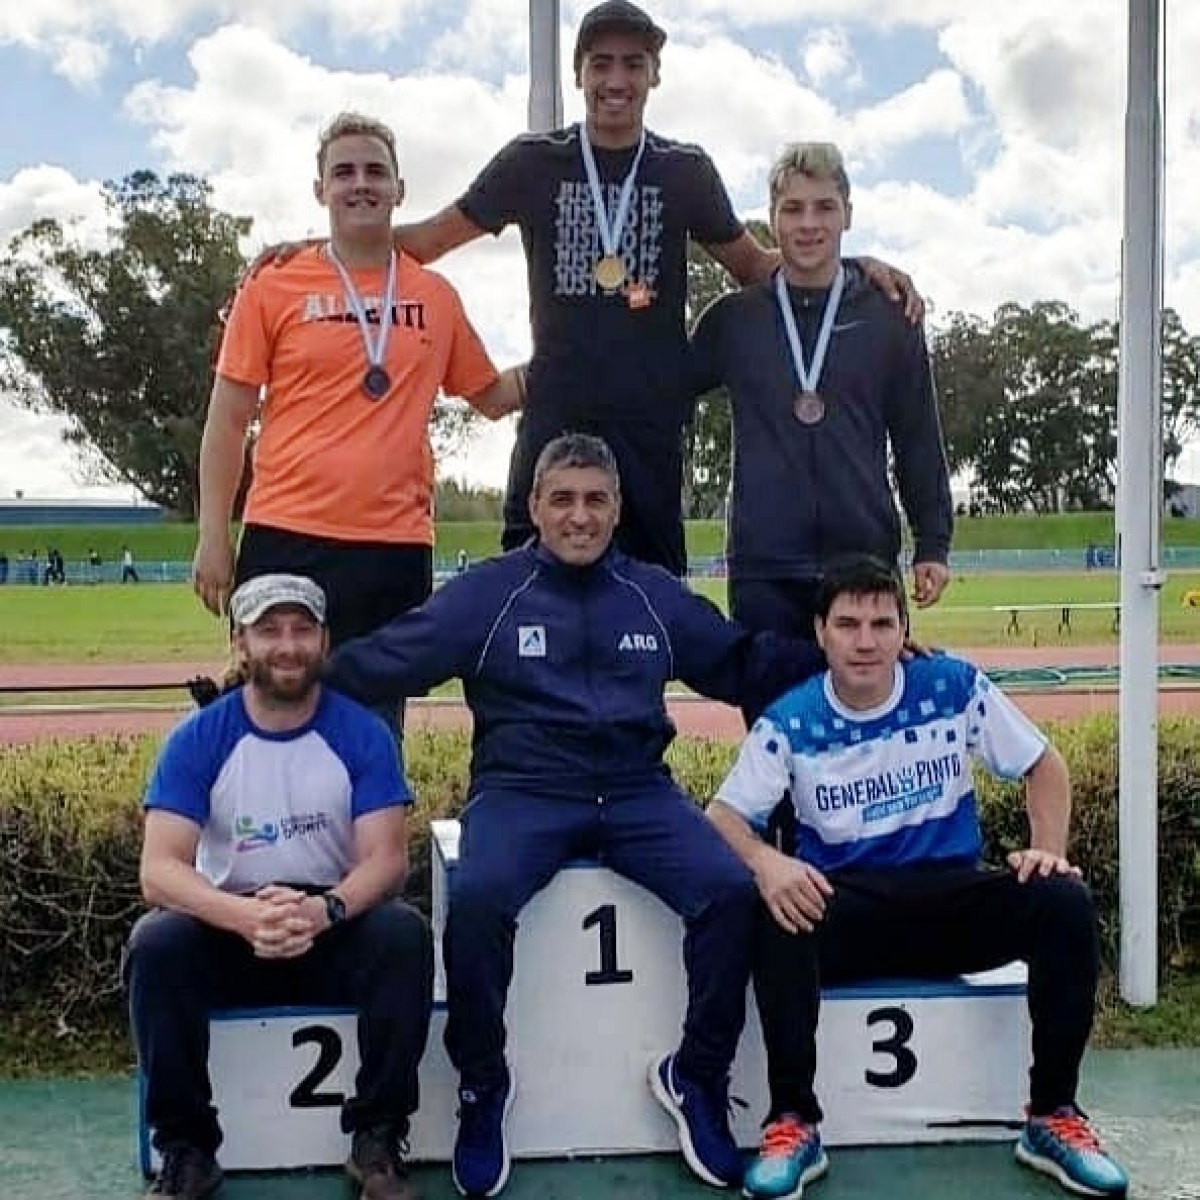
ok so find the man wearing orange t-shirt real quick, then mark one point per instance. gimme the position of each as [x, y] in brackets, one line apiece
[343, 469]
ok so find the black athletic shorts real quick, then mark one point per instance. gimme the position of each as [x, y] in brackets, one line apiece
[366, 583]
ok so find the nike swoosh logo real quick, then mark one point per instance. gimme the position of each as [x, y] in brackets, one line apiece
[847, 325]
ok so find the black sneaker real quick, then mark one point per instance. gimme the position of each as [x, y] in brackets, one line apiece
[186, 1174]
[377, 1165]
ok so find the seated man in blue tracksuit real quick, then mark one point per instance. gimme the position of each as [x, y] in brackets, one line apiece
[564, 648]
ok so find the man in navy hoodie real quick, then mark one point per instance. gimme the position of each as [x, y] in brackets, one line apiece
[564, 648]
[831, 394]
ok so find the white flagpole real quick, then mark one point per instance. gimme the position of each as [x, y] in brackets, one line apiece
[1139, 507]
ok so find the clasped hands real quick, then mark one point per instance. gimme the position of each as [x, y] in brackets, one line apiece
[284, 922]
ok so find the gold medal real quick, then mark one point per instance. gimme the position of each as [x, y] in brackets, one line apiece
[808, 407]
[609, 272]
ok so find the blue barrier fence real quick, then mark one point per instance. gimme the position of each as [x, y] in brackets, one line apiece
[1076, 558]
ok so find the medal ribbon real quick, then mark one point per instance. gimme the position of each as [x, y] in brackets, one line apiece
[610, 232]
[809, 376]
[376, 347]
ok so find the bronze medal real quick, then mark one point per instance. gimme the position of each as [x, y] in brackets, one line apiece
[638, 295]
[808, 407]
[376, 382]
[609, 272]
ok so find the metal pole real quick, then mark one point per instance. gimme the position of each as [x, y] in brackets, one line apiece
[1139, 507]
[545, 86]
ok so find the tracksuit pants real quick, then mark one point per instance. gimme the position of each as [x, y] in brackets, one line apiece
[514, 842]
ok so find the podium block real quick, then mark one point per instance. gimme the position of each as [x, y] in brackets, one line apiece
[598, 991]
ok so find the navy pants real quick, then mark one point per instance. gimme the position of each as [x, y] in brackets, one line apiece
[933, 923]
[512, 845]
[178, 970]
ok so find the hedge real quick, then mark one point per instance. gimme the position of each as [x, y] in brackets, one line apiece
[70, 823]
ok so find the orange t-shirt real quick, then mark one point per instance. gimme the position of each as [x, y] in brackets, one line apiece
[330, 461]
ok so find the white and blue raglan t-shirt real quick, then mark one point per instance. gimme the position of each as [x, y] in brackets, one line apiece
[890, 787]
[277, 807]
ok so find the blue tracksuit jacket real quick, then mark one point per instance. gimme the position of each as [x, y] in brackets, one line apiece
[564, 667]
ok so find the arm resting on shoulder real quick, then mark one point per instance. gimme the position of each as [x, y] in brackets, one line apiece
[745, 258]
[896, 285]
[723, 660]
[437, 235]
[413, 652]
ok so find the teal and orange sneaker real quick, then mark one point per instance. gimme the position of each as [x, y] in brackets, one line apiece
[1065, 1147]
[790, 1155]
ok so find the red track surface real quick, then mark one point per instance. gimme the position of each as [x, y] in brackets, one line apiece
[696, 718]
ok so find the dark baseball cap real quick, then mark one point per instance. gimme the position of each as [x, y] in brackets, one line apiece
[616, 16]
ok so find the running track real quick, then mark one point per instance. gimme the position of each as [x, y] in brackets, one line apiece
[693, 717]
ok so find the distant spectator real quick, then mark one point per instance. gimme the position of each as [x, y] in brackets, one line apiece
[3, 568]
[94, 564]
[464, 561]
[56, 568]
[128, 570]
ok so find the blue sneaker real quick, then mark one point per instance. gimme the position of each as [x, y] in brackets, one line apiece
[1063, 1146]
[702, 1114]
[481, 1162]
[789, 1156]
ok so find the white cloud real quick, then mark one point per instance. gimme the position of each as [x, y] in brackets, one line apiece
[43, 24]
[81, 61]
[44, 191]
[828, 56]
[249, 122]
[934, 107]
[1026, 110]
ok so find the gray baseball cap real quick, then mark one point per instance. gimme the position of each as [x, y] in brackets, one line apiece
[253, 599]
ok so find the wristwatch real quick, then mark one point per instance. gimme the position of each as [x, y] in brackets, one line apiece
[335, 907]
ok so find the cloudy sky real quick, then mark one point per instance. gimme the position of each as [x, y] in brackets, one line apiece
[985, 140]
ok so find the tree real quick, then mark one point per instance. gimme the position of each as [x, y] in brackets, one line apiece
[1029, 406]
[122, 340]
[969, 383]
[1181, 387]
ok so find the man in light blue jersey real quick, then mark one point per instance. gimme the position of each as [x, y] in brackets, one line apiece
[276, 834]
[887, 878]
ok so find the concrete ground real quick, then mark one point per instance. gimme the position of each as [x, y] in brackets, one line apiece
[75, 1140]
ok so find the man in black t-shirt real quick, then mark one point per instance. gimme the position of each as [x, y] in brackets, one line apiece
[606, 209]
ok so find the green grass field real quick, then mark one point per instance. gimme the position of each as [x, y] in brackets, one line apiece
[175, 542]
[166, 623]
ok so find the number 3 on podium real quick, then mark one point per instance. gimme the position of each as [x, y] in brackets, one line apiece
[896, 1044]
